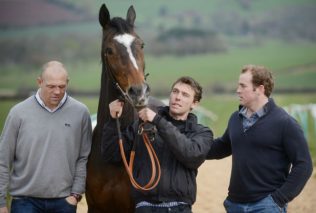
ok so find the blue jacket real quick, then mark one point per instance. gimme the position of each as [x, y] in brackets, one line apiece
[271, 157]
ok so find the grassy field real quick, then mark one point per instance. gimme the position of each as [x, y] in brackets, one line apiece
[225, 68]
[294, 65]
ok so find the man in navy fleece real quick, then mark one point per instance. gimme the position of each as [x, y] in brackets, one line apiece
[271, 162]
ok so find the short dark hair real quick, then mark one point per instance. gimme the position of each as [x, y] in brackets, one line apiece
[192, 83]
[260, 76]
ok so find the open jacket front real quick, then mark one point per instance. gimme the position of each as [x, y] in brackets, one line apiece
[181, 147]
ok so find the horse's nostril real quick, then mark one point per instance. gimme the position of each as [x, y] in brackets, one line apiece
[132, 91]
[139, 90]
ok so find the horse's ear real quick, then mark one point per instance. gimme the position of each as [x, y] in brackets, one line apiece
[104, 16]
[131, 15]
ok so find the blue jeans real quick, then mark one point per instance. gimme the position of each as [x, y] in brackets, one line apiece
[41, 205]
[265, 205]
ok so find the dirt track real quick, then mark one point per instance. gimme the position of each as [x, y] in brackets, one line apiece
[213, 181]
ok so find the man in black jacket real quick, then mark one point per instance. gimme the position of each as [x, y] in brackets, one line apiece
[180, 143]
[270, 157]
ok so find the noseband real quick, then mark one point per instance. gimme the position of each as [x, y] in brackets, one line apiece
[124, 94]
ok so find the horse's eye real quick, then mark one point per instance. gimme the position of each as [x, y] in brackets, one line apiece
[142, 45]
[109, 51]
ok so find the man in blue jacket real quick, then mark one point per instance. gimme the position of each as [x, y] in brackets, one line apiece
[271, 162]
[180, 143]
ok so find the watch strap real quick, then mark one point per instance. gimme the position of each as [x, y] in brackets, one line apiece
[77, 196]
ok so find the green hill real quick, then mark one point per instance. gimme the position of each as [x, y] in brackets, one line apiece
[267, 32]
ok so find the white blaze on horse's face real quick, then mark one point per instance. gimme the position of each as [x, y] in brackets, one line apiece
[127, 40]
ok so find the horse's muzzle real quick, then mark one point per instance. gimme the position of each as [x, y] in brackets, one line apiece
[139, 95]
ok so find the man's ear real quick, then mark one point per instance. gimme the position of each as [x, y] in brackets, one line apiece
[194, 105]
[39, 81]
[261, 89]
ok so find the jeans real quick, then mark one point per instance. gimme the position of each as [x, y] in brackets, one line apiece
[41, 205]
[265, 205]
[175, 209]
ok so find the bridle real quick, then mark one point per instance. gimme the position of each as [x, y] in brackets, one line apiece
[124, 94]
[155, 165]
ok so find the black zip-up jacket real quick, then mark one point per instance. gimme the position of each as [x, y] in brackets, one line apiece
[181, 147]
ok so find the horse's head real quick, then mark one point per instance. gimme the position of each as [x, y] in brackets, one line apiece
[122, 52]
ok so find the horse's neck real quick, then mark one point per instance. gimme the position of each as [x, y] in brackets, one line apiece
[109, 93]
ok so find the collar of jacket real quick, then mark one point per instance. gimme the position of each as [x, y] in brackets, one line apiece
[190, 122]
[267, 108]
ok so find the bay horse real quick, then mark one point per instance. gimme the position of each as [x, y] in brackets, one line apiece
[107, 187]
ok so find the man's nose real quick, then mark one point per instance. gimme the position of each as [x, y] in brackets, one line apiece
[57, 90]
[178, 96]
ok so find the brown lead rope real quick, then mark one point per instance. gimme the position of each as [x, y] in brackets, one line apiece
[155, 165]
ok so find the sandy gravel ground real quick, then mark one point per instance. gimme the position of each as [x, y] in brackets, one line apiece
[213, 181]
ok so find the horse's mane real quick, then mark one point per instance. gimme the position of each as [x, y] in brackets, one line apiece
[120, 25]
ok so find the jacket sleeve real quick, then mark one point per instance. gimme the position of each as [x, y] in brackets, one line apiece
[192, 151]
[78, 186]
[296, 148]
[109, 142]
[221, 147]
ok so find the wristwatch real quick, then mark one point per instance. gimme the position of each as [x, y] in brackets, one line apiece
[77, 196]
